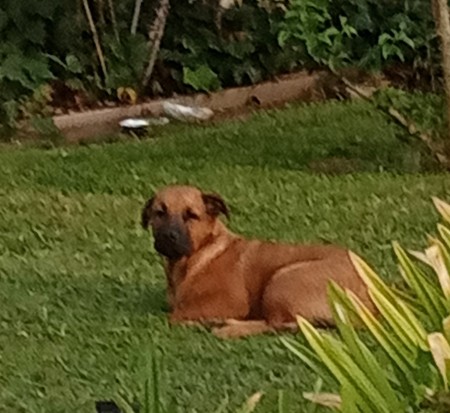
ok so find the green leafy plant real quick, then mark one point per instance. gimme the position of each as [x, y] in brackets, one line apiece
[366, 33]
[243, 50]
[52, 42]
[310, 22]
[71, 63]
[390, 42]
[126, 60]
[202, 78]
[20, 76]
[407, 366]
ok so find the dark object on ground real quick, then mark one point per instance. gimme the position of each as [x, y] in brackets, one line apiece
[107, 407]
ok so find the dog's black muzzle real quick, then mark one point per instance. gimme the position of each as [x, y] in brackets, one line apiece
[172, 241]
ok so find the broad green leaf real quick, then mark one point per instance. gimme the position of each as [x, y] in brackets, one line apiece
[38, 70]
[73, 64]
[408, 41]
[383, 38]
[11, 68]
[201, 78]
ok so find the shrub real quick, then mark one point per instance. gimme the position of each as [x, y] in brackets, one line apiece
[367, 33]
[407, 367]
[50, 44]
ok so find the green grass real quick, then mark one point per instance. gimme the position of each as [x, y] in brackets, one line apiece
[82, 291]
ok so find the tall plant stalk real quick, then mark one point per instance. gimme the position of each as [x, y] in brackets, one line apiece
[95, 38]
[155, 35]
[137, 12]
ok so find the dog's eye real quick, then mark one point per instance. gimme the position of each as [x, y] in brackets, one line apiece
[190, 215]
[160, 213]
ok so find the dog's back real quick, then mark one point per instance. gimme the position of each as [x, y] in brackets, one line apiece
[269, 271]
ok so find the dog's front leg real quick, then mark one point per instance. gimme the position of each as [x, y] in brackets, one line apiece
[182, 319]
[243, 328]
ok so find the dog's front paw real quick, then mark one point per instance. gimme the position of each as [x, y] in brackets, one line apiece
[238, 329]
[232, 331]
[176, 321]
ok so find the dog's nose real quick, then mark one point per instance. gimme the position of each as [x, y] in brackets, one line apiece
[173, 235]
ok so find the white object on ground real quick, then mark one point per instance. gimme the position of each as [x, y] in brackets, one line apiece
[131, 123]
[137, 123]
[186, 113]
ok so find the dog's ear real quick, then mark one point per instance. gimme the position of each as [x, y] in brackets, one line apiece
[146, 213]
[215, 205]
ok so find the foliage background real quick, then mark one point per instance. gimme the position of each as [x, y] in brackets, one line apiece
[47, 56]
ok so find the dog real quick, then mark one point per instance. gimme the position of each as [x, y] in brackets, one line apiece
[240, 287]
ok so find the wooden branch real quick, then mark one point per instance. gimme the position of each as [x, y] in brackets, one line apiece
[136, 14]
[95, 37]
[155, 35]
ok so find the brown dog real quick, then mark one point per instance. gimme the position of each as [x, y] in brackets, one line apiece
[246, 286]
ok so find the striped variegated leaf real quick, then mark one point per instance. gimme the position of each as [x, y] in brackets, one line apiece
[435, 255]
[443, 208]
[440, 349]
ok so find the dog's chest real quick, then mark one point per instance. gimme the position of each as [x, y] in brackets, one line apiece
[211, 281]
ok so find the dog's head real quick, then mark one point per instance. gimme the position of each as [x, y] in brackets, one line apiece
[182, 219]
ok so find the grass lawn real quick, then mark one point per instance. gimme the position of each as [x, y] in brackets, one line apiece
[82, 292]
